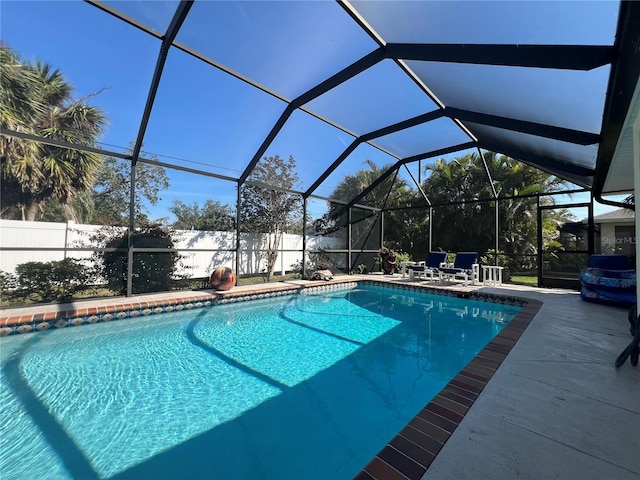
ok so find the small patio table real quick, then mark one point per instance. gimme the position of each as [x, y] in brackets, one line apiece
[491, 275]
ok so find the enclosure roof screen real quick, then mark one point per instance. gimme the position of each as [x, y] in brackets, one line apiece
[216, 86]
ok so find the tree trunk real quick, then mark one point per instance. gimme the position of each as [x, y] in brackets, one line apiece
[31, 211]
[272, 253]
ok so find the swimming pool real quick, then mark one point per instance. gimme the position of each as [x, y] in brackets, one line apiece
[302, 386]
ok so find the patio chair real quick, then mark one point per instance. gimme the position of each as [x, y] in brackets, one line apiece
[430, 268]
[465, 267]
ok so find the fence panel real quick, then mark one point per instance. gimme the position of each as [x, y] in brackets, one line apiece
[220, 245]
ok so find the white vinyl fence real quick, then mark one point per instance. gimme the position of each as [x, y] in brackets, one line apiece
[57, 240]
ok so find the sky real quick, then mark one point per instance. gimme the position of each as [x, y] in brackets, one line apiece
[204, 118]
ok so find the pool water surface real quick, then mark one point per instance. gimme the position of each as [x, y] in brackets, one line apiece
[298, 386]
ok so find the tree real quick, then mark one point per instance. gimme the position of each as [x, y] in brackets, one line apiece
[270, 210]
[388, 194]
[80, 209]
[107, 203]
[213, 215]
[152, 271]
[470, 225]
[465, 225]
[37, 99]
[110, 195]
[18, 105]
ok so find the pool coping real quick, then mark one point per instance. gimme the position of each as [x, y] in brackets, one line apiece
[44, 317]
[410, 453]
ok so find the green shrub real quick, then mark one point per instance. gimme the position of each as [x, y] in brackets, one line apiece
[8, 285]
[152, 271]
[362, 269]
[402, 257]
[321, 260]
[317, 260]
[55, 281]
[296, 268]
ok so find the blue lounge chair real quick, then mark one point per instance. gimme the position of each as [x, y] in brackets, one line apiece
[429, 268]
[465, 267]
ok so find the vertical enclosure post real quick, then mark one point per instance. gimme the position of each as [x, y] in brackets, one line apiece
[349, 240]
[495, 262]
[238, 207]
[540, 253]
[430, 228]
[304, 237]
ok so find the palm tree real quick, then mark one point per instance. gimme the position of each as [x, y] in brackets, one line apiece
[471, 225]
[19, 103]
[464, 224]
[382, 196]
[37, 99]
[518, 216]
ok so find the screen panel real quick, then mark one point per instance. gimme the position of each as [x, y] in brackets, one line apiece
[423, 138]
[296, 51]
[313, 144]
[522, 22]
[378, 97]
[207, 119]
[563, 98]
[156, 15]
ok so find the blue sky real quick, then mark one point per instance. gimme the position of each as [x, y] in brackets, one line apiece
[206, 119]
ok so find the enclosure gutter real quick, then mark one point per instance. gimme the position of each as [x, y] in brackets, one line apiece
[636, 187]
[625, 72]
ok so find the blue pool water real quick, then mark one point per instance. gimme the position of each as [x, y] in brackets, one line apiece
[301, 386]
